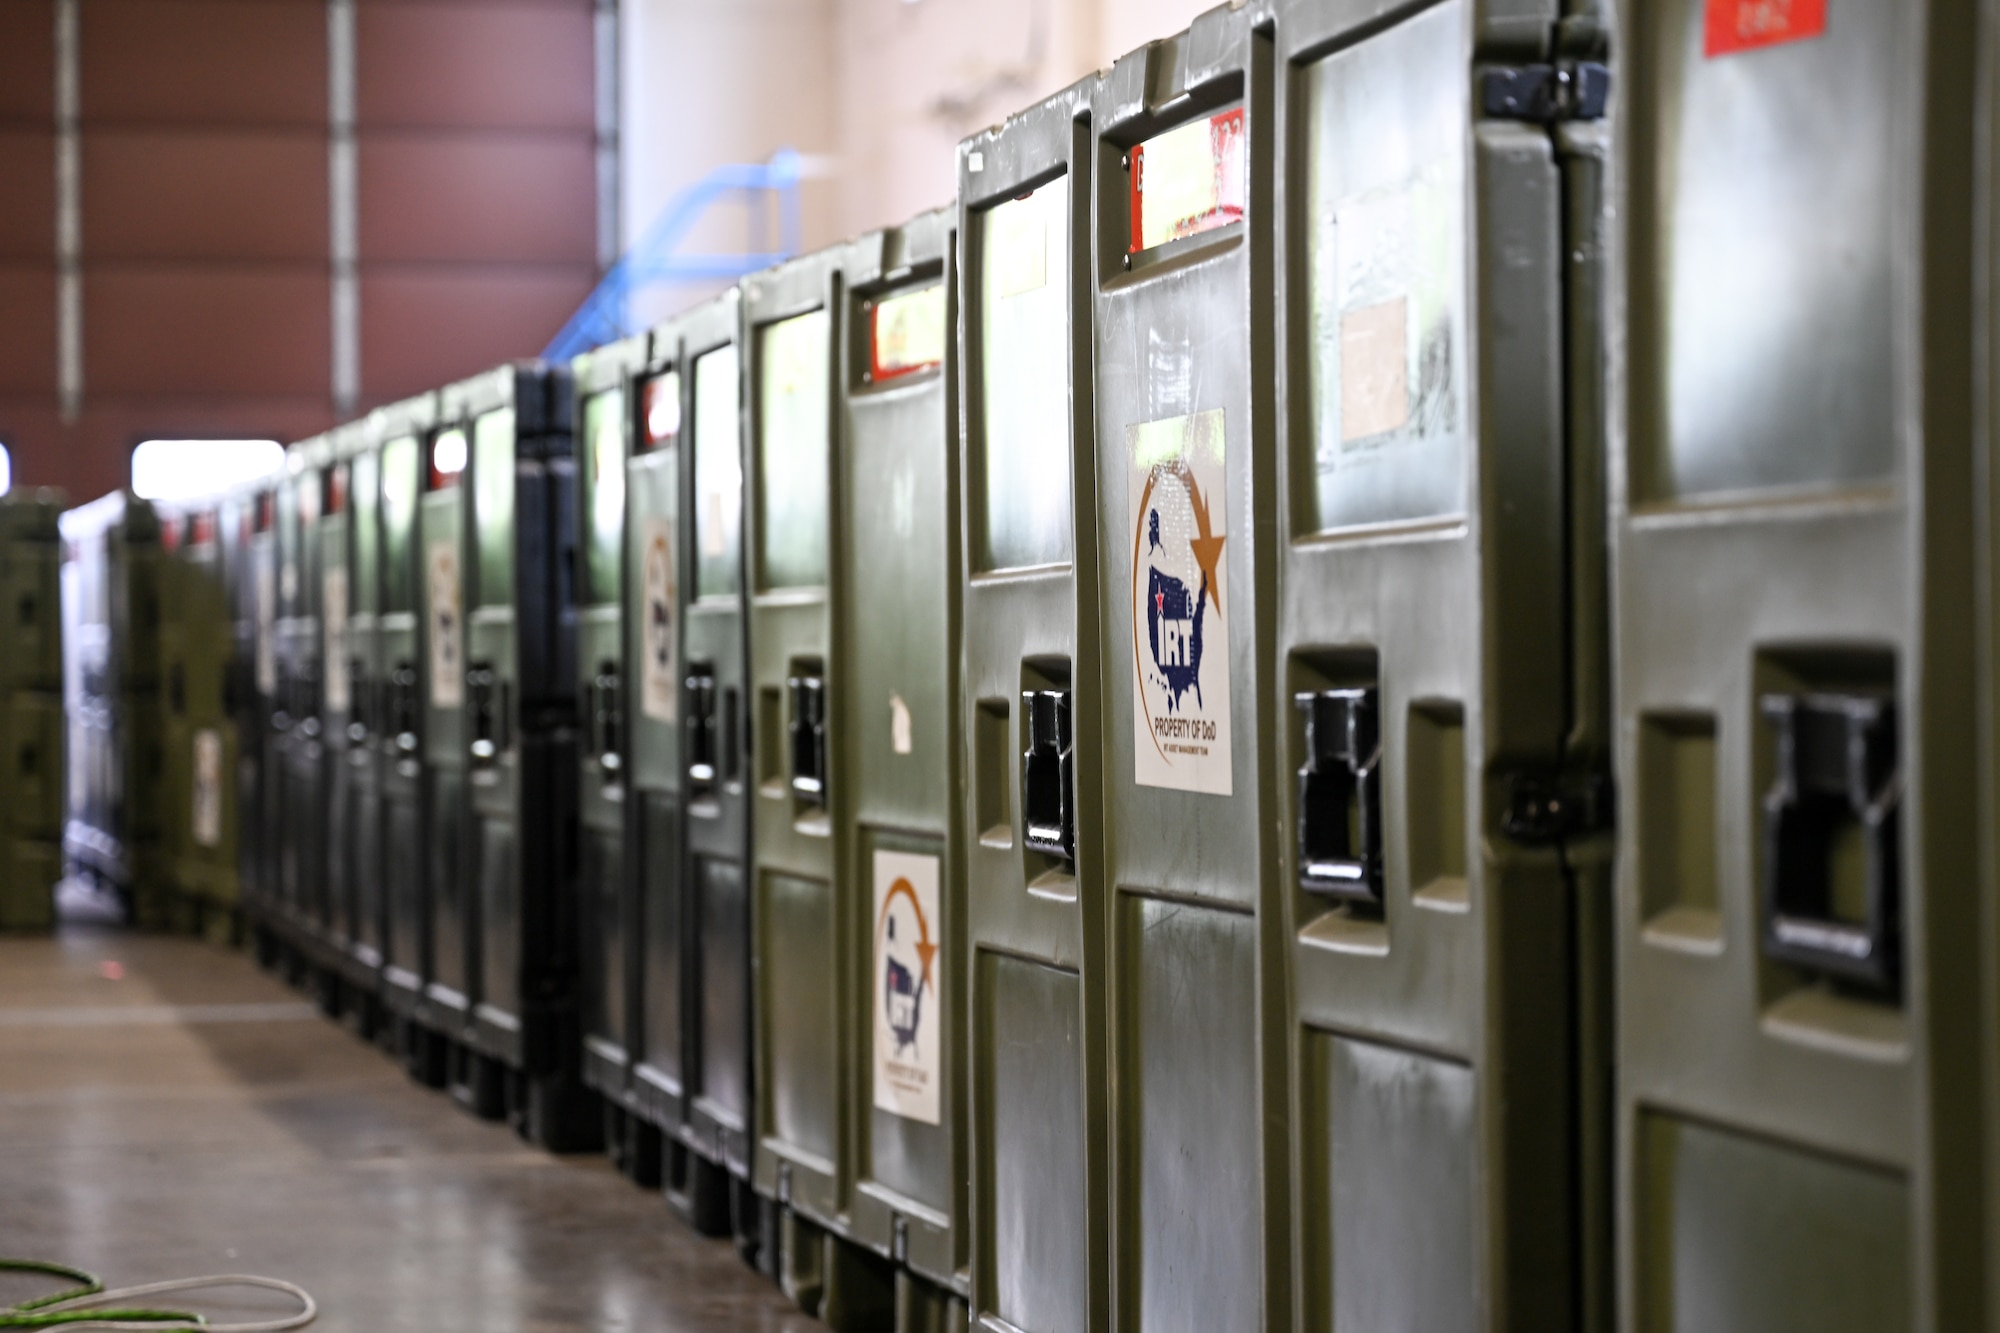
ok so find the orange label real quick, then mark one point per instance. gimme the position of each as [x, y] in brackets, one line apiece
[1744, 25]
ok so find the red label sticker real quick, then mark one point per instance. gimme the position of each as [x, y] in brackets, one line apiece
[906, 334]
[1745, 25]
[662, 409]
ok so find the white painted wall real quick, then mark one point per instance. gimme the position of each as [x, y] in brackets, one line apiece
[709, 82]
[878, 91]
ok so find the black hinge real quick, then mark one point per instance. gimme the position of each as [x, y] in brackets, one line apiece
[1543, 810]
[1545, 94]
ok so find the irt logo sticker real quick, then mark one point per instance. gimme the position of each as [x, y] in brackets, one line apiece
[207, 787]
[333, 627]
[660, 684]
[1180, 633]
[447, 627]
[1744, 25]
[909, 999]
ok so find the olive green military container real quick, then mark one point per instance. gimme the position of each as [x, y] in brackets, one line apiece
[346, 513]
[1441, 664]
[199, 816]
[524, 1030]
[111, 680]
[1190, 900]
[31, 591]
[688, 770]
[447, 981]
[1793, 517]
[607, 399]
[300, 838]
[1030, 696]
[395, 733]
[265, 820]
[798, 896]
[237, 514]
[31, 708]
[853, 533]
[351, 649]
[894, 740]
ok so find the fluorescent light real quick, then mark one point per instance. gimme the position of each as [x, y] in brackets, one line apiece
[192, 469]
[6, 470]
[449, 456]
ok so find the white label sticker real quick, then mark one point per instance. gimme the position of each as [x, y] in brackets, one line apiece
[267, 628]
[1387, 316]
[447, 626]
[908, 985]
[1374, 370]
[1180, 634]
[658, 677]
[333, 627]
[207, 813]
[899, 725]
[1017, 240]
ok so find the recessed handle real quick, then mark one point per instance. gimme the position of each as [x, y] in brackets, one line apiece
[701, 729]
[1048, 775]
[1340, 795]
[483, 688]
[607, 719]
[1832, 887]
[807, 730]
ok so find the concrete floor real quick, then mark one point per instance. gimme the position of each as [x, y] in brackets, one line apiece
[166, 1111]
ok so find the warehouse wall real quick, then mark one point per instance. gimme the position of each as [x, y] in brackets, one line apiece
[919, 75]
[705, 84]
[917, 78]
[27, 226]
[200, 233]
[878, 92]
[475, 139]
[202, 275]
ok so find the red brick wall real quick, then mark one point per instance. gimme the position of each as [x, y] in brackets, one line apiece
[28, 238]
[475, 135]
[205, 266]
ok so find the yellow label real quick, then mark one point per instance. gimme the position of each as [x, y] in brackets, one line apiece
[909, 331]
[1191, 180]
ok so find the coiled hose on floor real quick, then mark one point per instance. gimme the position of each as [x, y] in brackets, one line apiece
[89, 1306]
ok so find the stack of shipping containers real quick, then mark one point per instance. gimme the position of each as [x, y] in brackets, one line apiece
[1053, 766]
[31, 710]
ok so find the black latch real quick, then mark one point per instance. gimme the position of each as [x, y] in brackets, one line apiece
[701, 728]
[1340, 795]
[1544, 810]
[1545, 94]
[1832, 900]
[808, 735]
[1048, 775]
[307, 694]
[607, 717]
[403, 706]
[482, 684]
[360, 701]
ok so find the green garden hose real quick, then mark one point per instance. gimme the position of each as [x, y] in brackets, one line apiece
[85, 1305]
